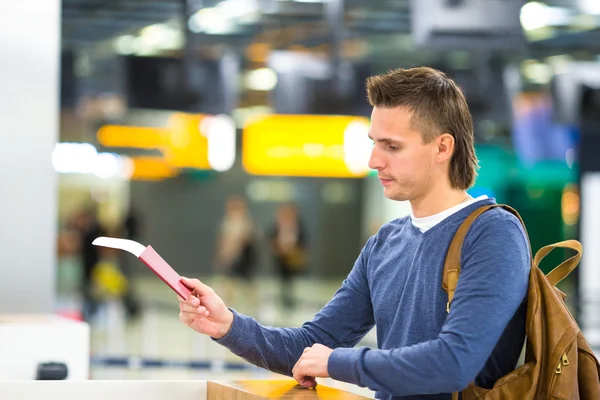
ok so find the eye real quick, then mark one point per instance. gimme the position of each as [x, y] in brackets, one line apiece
[392, 148]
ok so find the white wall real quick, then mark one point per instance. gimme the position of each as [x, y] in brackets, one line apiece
[29, 78]
[589, 268]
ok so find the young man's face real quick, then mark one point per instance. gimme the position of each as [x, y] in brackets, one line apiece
[406, 166]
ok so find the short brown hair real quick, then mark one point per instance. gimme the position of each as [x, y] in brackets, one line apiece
[437, 106]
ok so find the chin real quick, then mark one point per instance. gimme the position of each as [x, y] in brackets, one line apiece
[395, 195]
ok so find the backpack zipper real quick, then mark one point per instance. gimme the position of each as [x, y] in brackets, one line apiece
[564, 361]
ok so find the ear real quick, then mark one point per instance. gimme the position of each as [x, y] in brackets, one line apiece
[445, 147]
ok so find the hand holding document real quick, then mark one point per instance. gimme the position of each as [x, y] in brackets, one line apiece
[152, 259]
[200, 307]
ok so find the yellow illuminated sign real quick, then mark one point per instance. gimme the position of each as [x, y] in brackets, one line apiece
[182, 143]
[307, 145]
[194, 141]
[132, 136]
[151, 168]
[187, 146]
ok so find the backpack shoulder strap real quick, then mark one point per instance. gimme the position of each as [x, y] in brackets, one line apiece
[452, 263]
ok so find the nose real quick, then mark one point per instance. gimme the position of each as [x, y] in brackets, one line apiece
[375, 161]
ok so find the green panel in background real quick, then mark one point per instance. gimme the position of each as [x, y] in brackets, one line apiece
[535, 191]
[200, 175]
[540, 208]
[496, 169]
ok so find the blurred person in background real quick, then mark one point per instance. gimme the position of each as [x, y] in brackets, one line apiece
[86, 224]
[288, 248]
[423, 153]
[235, 256]
[130, 229]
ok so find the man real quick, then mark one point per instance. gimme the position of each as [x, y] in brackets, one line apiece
[423, 151]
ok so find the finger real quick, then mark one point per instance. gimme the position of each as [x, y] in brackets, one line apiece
[309, 382]
[197, 286]
[193, 300]
[303, 380]
[306, 349]
[297, 375]
[185, 307]
[296, 365]
[188, 318]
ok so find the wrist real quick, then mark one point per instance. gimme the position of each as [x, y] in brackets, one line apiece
[226, 326]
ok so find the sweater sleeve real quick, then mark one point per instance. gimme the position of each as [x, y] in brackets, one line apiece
[492, 285]
[343, 322]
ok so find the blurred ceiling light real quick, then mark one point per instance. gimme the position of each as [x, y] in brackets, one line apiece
[264, 79]
[125, 44]
[143, 47]
[72, 157]
[107, 165]
[82, 158]
[532, 15]
[590, 6]
[559, 63]
[161, 37]
[584, 22]
[241, 10]
[537, 72]
[535, 15]
[213, 21]
[224, 17]
[220, 132]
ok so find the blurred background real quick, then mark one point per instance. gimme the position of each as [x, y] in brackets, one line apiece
[231, 136]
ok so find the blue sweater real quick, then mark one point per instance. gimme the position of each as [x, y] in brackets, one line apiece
[395, 285]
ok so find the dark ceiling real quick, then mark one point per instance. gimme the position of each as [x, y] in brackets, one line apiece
[89, 21]
[382, 24]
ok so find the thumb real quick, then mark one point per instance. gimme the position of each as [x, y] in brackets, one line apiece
[309, 382]
[196, 286]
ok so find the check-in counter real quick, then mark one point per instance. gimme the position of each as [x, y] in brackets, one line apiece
[168, 390]
[26, 341]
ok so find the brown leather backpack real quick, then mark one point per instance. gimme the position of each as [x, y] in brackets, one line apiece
[559, 363]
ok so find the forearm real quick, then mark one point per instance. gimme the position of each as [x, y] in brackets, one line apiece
[341, 323]
[275, 349]
[426, 368]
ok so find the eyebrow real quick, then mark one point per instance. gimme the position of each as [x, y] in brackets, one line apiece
[386, 140]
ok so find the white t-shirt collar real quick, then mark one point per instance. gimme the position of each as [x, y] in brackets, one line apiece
[426, 223]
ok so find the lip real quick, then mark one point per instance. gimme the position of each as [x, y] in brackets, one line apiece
[385, 182]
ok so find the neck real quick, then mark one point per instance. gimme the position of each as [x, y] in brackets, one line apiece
[437, 201]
